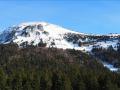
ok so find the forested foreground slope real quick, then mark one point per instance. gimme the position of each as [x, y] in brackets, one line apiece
[40, 68]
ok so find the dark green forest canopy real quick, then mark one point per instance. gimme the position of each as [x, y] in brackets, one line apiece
[40, 68]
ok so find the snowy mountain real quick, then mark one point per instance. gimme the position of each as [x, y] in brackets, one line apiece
[50, 35]
[34, 33]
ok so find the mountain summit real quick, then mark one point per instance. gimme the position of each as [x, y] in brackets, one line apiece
[35, 32]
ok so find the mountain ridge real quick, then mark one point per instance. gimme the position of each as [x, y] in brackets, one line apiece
[56, 36]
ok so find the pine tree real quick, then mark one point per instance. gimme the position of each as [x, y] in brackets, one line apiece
[45, 81]
[2, 80]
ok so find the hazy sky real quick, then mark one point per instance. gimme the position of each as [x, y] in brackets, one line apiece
[88, 16]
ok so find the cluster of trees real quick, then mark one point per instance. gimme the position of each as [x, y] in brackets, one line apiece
[39, 68]
[87, 39]
[26, 44]
[109, 54]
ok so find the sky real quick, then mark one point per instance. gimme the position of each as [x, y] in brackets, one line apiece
[86, 16]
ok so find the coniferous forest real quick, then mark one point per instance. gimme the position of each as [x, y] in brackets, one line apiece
[40, 68]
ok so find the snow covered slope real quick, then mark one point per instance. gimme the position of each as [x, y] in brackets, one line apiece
[34, 33]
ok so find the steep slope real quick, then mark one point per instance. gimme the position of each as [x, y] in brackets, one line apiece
[36, 32]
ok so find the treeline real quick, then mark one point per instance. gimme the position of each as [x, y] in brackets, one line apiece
[39, 68]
